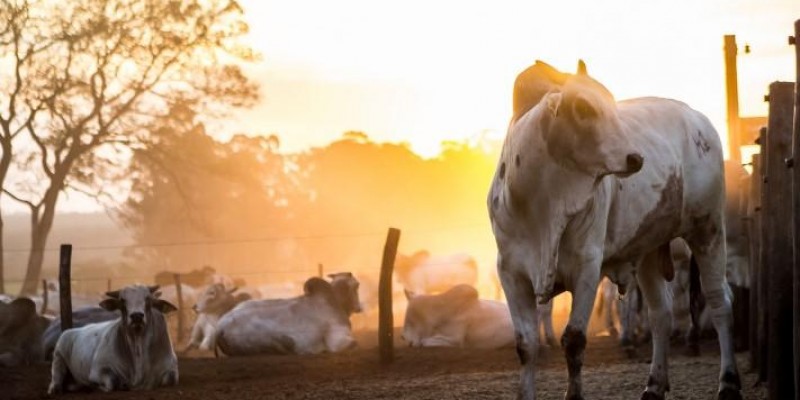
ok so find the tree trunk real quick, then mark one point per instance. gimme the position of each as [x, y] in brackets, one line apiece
[40, 230]
[5, 162]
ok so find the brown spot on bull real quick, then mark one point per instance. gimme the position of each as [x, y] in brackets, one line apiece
[701, 144]
[660, 224]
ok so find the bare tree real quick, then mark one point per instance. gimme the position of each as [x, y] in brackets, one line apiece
[112, 68]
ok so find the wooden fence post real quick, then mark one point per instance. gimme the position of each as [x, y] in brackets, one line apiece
[44, 297]
[179, 293]
[754, 236]
[778, 247]
[320, 270]
[385, 315]
[108, 285]
[65, 286]
[796, 193]
[763, 290]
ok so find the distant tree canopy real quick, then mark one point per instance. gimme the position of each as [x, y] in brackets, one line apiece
[244, 189]
[81, 78]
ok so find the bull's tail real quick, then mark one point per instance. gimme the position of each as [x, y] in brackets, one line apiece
[696, 304]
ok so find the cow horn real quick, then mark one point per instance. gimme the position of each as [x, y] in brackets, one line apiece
[153, 288]
[582, 68]
[113, 294]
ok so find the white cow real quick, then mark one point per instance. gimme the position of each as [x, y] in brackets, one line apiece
[129, 353]
[316, 322]
[424, 273]
[212, 304]
[587, 187]
[457, 318]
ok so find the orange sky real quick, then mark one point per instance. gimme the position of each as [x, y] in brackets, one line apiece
[422, 71]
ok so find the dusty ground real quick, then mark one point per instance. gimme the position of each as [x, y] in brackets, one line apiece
[435, 374]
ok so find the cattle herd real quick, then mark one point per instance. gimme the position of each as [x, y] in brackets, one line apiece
[622, 204]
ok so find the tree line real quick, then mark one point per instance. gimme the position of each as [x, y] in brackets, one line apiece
[112, 98]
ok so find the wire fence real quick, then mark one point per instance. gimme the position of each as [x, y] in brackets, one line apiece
[256, 261]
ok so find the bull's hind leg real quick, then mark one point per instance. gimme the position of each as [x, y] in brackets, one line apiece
[522, 305]
[653, 287]
[708, 246]
[546, 320]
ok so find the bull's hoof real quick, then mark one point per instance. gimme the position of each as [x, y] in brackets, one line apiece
[651, 396]
[729, 394]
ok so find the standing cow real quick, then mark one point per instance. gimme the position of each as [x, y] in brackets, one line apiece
[316, 322]
[587, 187]
[132, 352]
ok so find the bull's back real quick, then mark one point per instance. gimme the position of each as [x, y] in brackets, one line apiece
[270, 327]
[681, 178]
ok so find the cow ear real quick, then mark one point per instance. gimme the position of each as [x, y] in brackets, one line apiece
[582, 68]
[153, 288]
[164, 306]
[111, 304]
[553, 103]
[584, 109]
[113, 294]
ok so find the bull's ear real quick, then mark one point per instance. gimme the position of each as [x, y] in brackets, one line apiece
[553, 103]
[111, 304]
[584, 109]
[582, 68]
[113, 294]
[409, 294]
[153, 288]
[164, 306]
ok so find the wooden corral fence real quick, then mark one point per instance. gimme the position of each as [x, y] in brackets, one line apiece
[774, 232]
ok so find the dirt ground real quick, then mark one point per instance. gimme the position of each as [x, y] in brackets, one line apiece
[435, 374]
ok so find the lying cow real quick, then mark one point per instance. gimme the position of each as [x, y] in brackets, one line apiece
[129, 353]
[457, 318]
[20, 333]
[587, 187]
[423, 273]
[213, 303]
[316, 322]
[80, 318]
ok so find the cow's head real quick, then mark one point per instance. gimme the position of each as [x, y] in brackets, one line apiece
[582, 129]
[213, 298]
[136, 304]
[345, 288]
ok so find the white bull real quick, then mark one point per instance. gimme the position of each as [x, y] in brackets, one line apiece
[587, 187]
[316, 322]
[130, 353]
[457, 318]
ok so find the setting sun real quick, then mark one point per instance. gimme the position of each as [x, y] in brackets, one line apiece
[423, 72]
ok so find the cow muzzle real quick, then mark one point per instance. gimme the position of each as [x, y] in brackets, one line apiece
[137, 321]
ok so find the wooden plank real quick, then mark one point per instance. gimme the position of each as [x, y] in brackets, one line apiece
[796, 200]
[778, 246]
[385, 315]
[65, 286]
[179, 294]
[754, 236]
